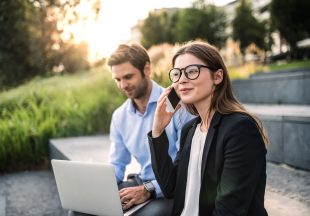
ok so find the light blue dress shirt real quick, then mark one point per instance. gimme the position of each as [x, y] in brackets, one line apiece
[128, 136]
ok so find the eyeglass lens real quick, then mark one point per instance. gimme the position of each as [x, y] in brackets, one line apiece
[191, 72]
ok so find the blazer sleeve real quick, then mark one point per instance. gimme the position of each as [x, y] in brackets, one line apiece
[163, 167]
[243, 168]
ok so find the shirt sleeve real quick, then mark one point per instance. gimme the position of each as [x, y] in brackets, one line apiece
[119, 155]
[158, 191]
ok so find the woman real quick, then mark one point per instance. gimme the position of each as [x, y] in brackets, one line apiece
[220, 168]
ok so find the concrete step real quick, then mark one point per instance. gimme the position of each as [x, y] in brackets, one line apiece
[2, 205]
[287, 112]
[286, 87]
[288, 128]
[87, 148]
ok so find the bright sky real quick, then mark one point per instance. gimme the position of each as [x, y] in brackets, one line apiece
[116, 19]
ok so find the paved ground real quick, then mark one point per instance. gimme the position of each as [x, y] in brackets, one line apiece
[30, 194]
[35, 193]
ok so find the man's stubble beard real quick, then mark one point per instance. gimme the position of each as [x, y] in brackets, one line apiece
[141, 89]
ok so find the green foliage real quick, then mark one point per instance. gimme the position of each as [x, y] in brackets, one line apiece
[155, 29]
[247, 29]
[60, 106]
[207, 23]
[291, 18]
[216, 26]
[18, 23]
[31, 43]
[190, 24]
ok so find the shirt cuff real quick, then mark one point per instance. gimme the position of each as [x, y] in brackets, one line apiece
[157, 189]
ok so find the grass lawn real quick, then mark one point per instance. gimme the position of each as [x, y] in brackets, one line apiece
[244, 71]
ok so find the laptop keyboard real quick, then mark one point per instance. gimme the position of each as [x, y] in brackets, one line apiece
[134, 208]
[125, 210]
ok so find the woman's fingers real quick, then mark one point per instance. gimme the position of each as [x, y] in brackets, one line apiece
[165, 93]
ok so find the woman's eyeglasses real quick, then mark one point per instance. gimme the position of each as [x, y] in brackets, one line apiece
[191, 72]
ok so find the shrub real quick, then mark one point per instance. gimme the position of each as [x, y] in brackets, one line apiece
[61, 106]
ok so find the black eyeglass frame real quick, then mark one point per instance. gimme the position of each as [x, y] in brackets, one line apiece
[199, 66]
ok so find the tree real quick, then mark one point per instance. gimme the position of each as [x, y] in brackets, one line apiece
[31, 41]
[18, 56]
[215, 32]
[207, 23]
[247, 29]
[156, 28]
[291, 18]
[190, 25]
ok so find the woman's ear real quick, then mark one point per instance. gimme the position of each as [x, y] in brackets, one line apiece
[218, 76]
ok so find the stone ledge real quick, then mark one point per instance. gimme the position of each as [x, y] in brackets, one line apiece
[280, 112]
[288, 129]
[86, 148]
[275, 88]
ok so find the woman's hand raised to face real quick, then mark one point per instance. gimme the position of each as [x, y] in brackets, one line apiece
[162, 117]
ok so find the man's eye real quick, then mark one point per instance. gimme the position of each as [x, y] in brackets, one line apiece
[128, 77]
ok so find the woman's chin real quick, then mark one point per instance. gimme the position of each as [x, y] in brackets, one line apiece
[187, 100]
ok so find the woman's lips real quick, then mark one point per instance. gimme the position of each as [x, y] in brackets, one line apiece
[185, 90]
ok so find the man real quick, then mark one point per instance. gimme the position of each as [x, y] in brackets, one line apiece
[130, 67]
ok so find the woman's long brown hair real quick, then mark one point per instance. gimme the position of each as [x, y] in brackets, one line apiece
[223, 99]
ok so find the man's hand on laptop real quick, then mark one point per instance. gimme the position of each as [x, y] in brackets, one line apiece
[133, 195]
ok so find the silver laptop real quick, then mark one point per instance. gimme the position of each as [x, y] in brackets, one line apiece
[89, 188]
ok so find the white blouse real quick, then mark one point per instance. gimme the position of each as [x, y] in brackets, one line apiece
[191, 204]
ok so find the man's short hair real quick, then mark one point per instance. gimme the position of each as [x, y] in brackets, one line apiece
[134, 53]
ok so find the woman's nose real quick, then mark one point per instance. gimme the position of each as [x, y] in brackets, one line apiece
[183, 78]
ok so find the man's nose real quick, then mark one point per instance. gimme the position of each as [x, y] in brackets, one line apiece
[123, 84]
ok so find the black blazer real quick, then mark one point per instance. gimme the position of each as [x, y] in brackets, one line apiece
[233, 169]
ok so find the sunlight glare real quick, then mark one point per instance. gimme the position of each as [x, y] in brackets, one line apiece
[114, 22]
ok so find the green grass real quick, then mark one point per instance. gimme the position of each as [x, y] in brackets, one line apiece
[244, 71]
[288, 66]
[60, 106]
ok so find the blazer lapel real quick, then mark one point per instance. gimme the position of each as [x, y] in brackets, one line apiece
[215, 121]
